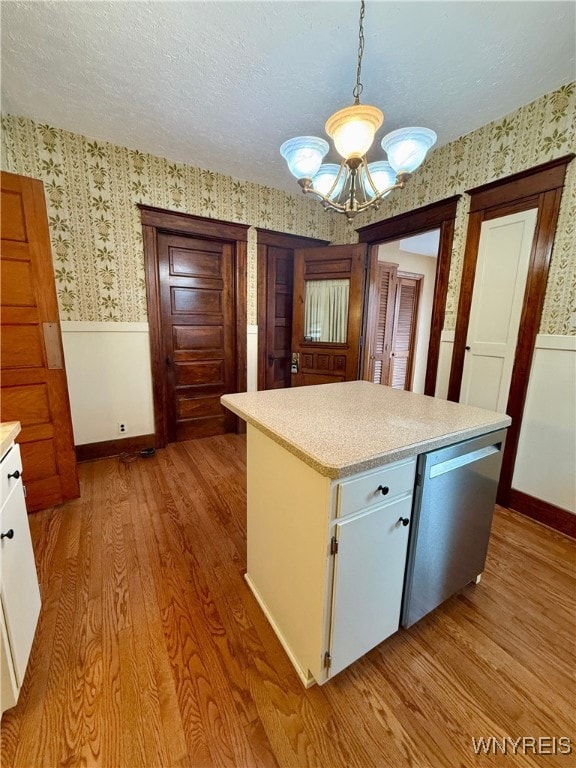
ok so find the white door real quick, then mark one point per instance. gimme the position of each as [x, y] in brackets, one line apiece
[497, 299]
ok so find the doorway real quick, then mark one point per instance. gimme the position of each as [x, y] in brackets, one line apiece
[275, 301]
[196, 292]
[399, 318]
[435, 218]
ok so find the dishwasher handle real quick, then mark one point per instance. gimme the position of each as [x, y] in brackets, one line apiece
[462, 461]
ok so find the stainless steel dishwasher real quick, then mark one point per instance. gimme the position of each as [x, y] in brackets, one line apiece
[451, 520]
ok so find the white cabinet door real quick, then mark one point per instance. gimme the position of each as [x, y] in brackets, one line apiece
[368, 580]
[498, 294]
[20, 592]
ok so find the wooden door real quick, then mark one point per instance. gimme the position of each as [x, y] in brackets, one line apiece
[275, 300]
[392, 327]
[279, 317]
[502, 268]
[404, 331]
[34, 386]
[197, 301]
[326, 326]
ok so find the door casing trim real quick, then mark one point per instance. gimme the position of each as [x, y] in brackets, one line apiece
[159, 221]
[539, 187]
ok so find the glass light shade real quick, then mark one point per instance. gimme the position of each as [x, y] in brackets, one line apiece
[304, 155]
[382, 175]
[406, 148]
[352, 129]
[326, 177]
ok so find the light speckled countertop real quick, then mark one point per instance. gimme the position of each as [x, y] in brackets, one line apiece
[9, 430]
[341, 429]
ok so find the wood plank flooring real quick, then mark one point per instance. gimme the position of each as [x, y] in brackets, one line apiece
[151, 650]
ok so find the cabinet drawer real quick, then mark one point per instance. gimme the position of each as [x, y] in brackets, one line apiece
[376, 486]
[12, 462]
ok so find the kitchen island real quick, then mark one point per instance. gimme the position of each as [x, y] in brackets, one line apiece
[331, 481]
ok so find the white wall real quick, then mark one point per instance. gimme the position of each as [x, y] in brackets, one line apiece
[109, 379]
[444, 364]
[546, 459]
[252, 358]
[424, 265]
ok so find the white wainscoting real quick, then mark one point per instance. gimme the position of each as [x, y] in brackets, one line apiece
[252, 358]
[109, 379]
[444, 363]
[546, 459]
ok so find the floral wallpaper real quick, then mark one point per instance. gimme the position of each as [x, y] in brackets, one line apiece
[92, 188]
[540, 131]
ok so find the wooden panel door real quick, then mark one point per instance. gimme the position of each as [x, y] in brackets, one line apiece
[392, 329]
[34, 386]
[404, 332]
[498, 293]
[381, 323]
[318, 359]
[197, 308]
[279, 316]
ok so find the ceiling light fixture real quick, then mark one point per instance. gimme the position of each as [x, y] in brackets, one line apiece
[356, 185]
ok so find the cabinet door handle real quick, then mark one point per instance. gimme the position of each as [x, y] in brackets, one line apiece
[15, 474]
[404, 520]
[383, 489]
[8, 535]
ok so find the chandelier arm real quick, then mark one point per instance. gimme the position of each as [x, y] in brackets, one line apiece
[350, 211]
[369, 177]
[309, 190]
[375, 201]
[341, 170]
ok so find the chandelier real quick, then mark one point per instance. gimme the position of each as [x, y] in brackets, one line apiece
[356, 185]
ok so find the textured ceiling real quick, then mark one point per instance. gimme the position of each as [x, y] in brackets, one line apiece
[221, 85]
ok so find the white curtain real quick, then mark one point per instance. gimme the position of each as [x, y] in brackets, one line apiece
[326, 310]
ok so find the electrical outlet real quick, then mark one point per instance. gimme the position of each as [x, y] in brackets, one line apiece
[122, 427]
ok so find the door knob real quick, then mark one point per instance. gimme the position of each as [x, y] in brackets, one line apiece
[467, 349]
[8, 535]
[404, 520]
[15, 474]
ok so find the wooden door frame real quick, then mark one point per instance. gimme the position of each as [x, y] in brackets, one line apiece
[539, 187]
[270, 238]
[157, 221]
[440, 215]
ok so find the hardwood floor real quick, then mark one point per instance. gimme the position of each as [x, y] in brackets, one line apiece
[151, 651]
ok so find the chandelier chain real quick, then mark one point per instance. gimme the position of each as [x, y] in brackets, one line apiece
[358, 88]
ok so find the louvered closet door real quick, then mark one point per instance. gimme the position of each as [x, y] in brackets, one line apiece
[382, 339]
[404, 333]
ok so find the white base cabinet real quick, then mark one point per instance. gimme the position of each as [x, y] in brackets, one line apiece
[326, 558]
[20, 594]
